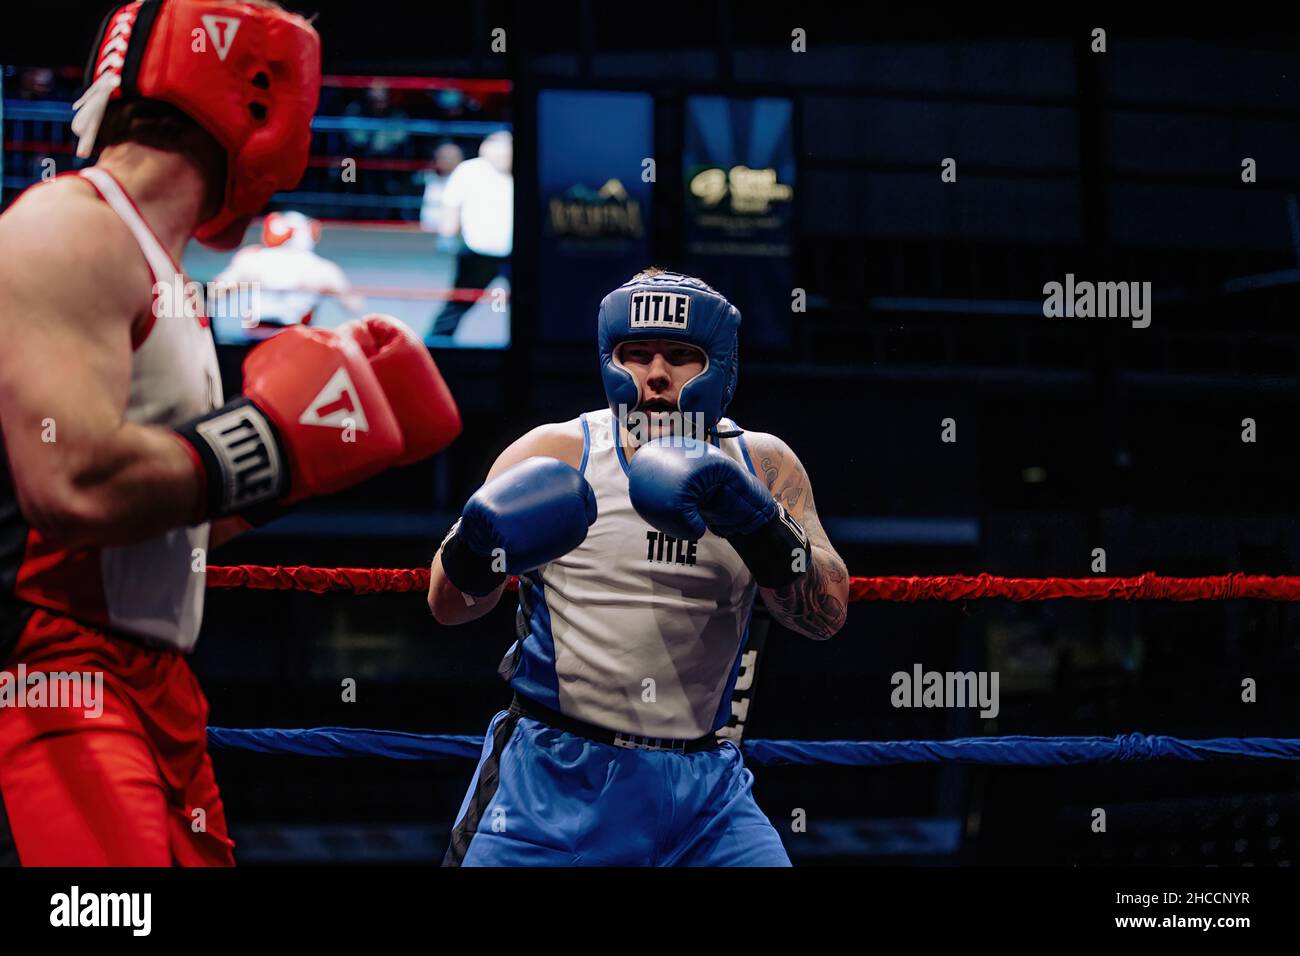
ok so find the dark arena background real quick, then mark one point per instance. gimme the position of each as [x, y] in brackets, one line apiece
[888, 206]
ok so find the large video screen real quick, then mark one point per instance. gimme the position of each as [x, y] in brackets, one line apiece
[407, 208]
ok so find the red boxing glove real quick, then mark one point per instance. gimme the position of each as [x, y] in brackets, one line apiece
[332, 416]
[420, 399]
[313, 420]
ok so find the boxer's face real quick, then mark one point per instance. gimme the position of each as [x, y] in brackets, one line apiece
[661, 367]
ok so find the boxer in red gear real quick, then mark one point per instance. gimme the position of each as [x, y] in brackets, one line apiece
[122, 467]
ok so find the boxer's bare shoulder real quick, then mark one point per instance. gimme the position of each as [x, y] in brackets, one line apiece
[562, 440]
[64, 251]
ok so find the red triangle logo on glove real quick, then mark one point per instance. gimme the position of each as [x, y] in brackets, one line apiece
[336, 405]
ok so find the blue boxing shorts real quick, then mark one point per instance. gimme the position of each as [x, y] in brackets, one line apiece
[542, 796]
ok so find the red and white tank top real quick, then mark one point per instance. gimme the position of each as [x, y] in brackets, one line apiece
[152, 590]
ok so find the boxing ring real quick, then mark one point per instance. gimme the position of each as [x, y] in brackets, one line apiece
[1018, 750]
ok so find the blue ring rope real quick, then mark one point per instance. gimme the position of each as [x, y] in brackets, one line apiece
[1000, 751]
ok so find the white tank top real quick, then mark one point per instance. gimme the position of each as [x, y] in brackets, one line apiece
[286, 279]
[151, 589]
[634, 631]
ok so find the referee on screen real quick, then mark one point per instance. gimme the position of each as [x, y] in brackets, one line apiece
[478, 204]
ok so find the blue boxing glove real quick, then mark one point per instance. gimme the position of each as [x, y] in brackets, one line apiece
[531, 513]
[683, 487]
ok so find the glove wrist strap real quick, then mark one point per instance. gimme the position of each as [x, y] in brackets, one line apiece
[776, 554]
[468, 571]
[242, 458]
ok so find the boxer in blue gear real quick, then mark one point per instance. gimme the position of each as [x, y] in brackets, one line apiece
[639, 555]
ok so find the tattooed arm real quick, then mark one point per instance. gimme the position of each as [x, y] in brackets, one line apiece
[816, 604]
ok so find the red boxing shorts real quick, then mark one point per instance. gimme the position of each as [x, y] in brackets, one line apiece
[114, 772]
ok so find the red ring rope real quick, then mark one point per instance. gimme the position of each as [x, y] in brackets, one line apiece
[1144, 587]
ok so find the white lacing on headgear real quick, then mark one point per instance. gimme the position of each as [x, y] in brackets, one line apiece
[88, 111]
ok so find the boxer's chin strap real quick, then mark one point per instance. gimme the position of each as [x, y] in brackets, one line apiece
[710, 433]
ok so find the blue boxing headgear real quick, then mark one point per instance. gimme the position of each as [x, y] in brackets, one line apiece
[672, 306]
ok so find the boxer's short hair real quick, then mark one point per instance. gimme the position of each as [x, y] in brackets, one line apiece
[160, 125]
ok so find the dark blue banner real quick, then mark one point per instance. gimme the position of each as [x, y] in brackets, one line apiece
[595, 206]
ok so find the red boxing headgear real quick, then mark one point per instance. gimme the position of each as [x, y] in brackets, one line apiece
[292, 230]
[249, 75]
